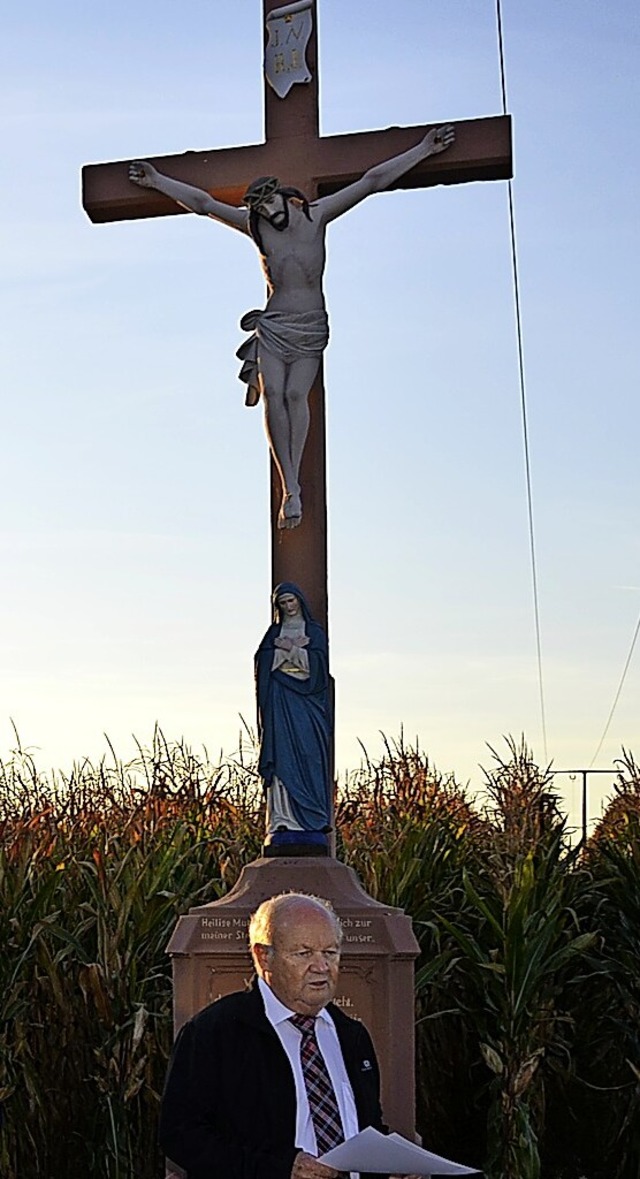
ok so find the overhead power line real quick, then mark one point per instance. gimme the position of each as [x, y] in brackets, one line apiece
[619, 691]
[523, 400]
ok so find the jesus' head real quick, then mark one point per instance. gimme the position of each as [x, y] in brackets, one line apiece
[266, 197]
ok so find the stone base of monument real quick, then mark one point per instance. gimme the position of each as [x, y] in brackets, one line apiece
[210, 958]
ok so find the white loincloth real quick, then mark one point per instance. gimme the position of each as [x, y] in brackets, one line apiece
[288, 335]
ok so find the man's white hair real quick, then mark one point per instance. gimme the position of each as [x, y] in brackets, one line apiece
[263, 926]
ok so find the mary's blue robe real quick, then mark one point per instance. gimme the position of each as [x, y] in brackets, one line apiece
[295, 722]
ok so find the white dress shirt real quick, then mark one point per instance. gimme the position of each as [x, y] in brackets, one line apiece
[329, 1045]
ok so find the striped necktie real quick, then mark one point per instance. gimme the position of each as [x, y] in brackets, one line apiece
[323, 1105]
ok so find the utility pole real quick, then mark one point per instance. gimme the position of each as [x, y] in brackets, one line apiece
[584, 775]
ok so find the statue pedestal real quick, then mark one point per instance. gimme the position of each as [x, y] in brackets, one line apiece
[210, 958]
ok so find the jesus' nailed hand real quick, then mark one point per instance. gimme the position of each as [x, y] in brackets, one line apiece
[282, 357]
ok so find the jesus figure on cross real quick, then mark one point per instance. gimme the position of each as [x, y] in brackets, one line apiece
[282, 356]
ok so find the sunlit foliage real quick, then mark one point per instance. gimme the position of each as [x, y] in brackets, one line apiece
[527, 987]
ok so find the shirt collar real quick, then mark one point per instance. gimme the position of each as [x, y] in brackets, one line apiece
[276, 1011]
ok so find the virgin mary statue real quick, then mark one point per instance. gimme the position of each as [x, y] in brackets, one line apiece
[294, 726]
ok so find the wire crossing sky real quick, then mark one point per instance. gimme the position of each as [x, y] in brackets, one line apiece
[523, 402]
[135, 506]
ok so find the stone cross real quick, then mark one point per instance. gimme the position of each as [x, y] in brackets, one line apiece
[295, 151]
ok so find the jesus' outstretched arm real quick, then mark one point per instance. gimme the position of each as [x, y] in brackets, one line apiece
[382, 175]
[196, 200]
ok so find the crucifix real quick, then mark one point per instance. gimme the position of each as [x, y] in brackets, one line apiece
[318, 166]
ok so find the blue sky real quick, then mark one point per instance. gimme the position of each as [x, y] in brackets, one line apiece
[134, 482]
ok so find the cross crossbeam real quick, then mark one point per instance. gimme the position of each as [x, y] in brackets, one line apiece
[482, 151]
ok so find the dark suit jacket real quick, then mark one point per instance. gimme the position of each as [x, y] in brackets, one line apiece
[229, 1105]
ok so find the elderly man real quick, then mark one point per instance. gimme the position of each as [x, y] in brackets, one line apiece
[282, 357]
[263, 1082]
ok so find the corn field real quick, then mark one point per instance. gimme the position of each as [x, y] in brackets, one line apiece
[527, 986]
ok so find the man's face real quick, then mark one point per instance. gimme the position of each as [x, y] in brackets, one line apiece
[302, 967]
[275, 210]
[289, 605]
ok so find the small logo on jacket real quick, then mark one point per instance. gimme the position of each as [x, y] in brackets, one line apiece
[366, 1066]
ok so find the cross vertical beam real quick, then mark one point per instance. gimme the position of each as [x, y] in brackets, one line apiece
[300, 555]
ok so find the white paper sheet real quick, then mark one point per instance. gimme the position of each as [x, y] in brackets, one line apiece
[389, 1154]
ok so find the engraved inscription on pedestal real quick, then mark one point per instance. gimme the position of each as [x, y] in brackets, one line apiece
[223, 929]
